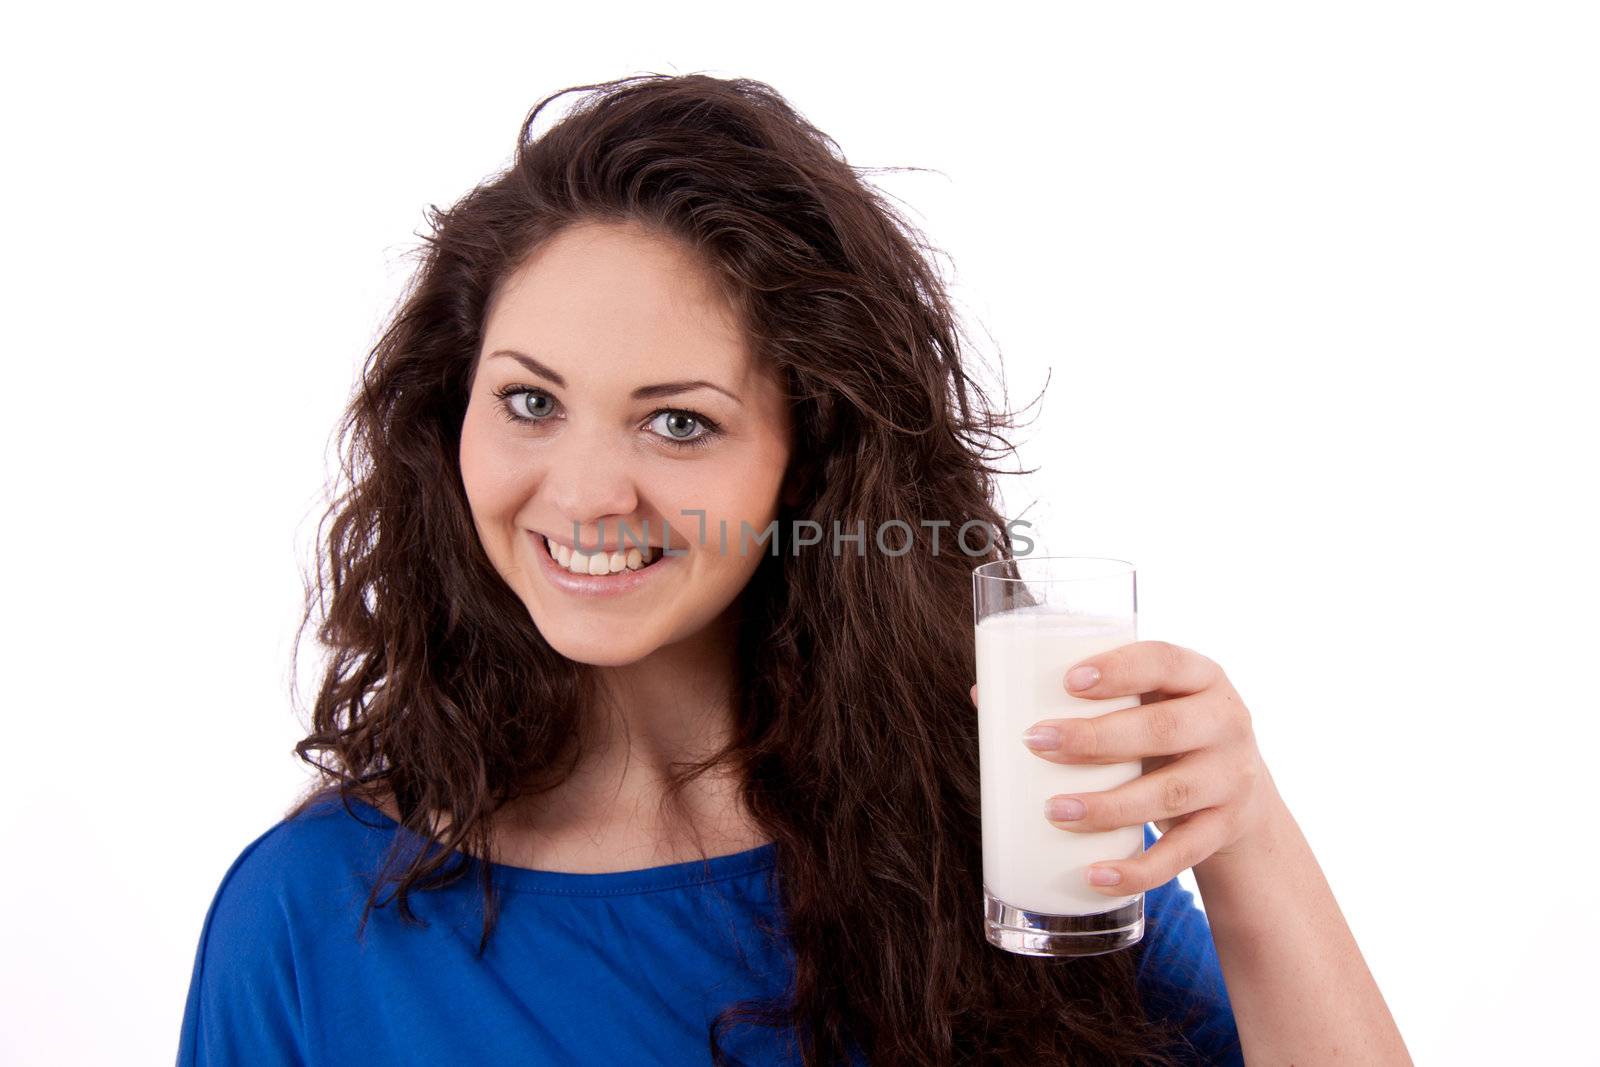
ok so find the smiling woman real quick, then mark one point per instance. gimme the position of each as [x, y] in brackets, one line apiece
[693, 786]
[609, 306]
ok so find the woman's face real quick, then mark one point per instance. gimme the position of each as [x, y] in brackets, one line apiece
[616, 392]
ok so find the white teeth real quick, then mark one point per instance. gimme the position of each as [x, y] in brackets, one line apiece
[599, 563]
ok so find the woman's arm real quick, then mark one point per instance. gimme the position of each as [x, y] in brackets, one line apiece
[1300, 989]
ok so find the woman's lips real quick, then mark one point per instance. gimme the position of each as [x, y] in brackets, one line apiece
[595, 585]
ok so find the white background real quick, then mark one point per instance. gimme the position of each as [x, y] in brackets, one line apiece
[1316, 285]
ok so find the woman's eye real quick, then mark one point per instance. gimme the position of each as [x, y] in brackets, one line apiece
[525, 405]
[521, 404]
[678, 426]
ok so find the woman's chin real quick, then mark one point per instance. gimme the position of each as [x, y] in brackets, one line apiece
[603, 647]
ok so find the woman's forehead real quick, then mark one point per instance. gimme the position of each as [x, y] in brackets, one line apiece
[613, 298]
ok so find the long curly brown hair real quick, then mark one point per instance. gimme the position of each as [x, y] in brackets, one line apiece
[855, 738]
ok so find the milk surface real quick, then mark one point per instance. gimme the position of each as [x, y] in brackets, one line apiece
[1023, 656]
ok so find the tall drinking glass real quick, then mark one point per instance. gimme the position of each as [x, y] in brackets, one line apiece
[1034, 618]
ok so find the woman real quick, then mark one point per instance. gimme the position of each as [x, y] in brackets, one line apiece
[726, 781]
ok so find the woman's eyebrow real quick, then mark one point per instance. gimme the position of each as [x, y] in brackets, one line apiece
[644, 392]
[648, 392]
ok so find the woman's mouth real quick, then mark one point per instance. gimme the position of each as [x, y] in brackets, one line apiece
[601, 563]
[591, 574]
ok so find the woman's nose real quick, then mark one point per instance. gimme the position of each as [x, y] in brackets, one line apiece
[591, 480]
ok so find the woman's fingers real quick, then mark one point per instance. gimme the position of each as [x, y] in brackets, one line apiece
[1197, 781]
[1143, 667]
[1163, 728]
[1187, 844]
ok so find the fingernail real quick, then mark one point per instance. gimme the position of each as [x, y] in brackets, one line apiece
[1042, 738]
[1104, 876]
[1082, 677]
[1064, 809]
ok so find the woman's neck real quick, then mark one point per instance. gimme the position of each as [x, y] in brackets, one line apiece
[613, 812]
[673, 707]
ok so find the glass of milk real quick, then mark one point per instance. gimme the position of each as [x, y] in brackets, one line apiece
[1034, 618]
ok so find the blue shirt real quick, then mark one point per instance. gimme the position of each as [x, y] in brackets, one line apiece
[625, 967]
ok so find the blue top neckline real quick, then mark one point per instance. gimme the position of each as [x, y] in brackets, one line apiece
[682, 875]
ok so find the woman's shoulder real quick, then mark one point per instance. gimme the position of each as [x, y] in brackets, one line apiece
[322, 821]
[1179, 973]
[313, 848]
[1177, 933]
[279, 896]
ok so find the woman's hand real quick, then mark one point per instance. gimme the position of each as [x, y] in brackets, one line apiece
[1297, 983]
[1204, 783]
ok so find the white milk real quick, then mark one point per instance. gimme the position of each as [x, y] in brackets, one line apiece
[1023, 657]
